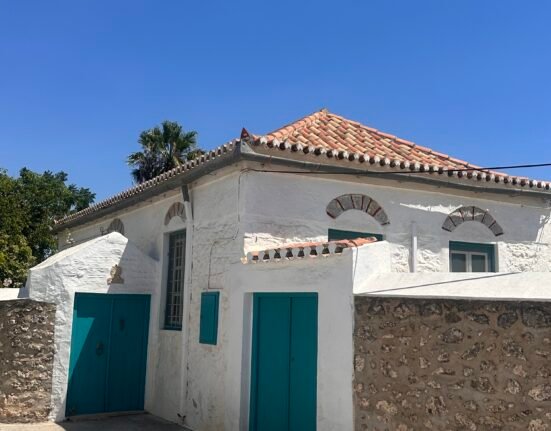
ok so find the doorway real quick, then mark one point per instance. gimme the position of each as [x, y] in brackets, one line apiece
[108, 353]
[284, 362]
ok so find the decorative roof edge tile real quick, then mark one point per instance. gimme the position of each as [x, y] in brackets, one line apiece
[406, 166]
[299, 251]
[284, 139]
[270, 143]
[191, 165]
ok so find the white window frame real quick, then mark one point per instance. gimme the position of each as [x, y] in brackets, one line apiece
[468, 259]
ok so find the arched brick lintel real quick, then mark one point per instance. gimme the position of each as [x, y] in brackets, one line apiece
[177, 209]
[471, 213]
[357, 202]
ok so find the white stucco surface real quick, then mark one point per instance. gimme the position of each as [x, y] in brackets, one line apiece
[9, 293]
[331, 278]
[499, 286]
[86, 268]
[183, 372]
[236, 210]
[281, 208]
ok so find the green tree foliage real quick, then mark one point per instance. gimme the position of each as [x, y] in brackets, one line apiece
[163, 148]
[29, 205]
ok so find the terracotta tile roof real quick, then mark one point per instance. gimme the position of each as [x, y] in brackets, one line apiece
[306, 250]
[331, 138]
[325, 134]
[220, 152]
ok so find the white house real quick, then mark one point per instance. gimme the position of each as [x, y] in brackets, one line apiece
[248, 260]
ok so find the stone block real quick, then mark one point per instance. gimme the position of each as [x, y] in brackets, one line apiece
[448, 225]
[496, 229]
[334, 209]
[453, 364]
[357, 201]
[27, 351]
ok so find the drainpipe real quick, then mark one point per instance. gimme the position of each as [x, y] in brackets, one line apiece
[187, 300]
[413, 258]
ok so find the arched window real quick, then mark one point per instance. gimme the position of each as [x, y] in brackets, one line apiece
[464, 214]
[116, 226]
[357, 202]
[175, 210]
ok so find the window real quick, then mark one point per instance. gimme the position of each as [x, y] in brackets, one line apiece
[175, 280]
[471, 257]
[335, 235]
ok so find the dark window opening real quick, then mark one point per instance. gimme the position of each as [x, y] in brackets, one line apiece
[336, 235]
[175, 281]
[471, 257]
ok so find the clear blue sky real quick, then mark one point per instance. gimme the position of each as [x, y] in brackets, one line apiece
[80, 79]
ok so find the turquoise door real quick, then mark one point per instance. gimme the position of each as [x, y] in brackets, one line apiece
[108, 353]
[284, 362]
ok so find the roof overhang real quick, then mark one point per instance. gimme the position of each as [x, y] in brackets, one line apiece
[185, 174]
[300, 162]
[343, 166]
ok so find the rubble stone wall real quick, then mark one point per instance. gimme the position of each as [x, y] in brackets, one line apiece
[26, 360]
[452, 365]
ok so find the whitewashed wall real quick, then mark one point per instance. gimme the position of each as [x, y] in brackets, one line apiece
[235, 212]
[186, 373]
[144, 226]
[86, 268]
[331, 278]
[280, 208]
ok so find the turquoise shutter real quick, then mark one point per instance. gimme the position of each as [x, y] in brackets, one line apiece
[208, 330]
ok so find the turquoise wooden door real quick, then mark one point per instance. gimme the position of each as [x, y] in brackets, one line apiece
[108, 353]
[284, 362]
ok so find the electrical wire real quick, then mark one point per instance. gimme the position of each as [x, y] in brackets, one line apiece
[405, 172]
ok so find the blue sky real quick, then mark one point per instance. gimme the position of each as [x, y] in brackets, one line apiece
[80, 79]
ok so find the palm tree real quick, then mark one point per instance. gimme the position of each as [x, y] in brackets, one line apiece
[163, 148]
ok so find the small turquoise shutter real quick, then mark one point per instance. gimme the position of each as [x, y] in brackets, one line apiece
[208, 330]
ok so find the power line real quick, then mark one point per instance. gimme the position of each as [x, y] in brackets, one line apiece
[404, 171]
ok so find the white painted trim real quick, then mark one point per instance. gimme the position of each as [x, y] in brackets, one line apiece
[491, 286]
[186, 305]
[468, 259]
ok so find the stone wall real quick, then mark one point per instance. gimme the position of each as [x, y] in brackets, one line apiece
[26, 358]
[452, 365]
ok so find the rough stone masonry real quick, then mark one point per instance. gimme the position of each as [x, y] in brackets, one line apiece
[452, 365]
[26, 360]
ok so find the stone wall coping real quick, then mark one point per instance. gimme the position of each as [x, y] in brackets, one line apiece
[512, 286]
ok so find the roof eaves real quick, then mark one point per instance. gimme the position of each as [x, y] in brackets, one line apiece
[190, 171]
[484, 177]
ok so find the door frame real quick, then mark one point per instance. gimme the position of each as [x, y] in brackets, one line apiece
[143, 374]
[253, 390]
